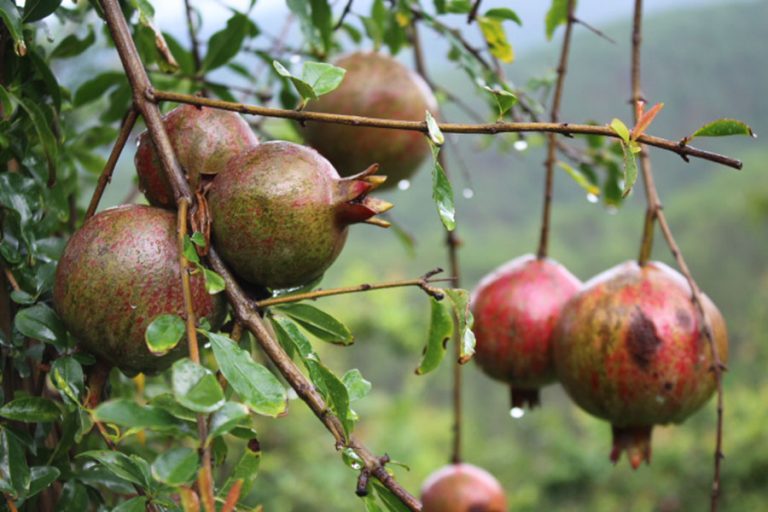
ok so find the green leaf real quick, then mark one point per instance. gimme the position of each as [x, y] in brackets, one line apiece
[322, 77]
[35, 10]
[67, 376]
[189, 251]
[9, 14]
[176, 466]
[303, 88]
[257, 387]
[621, 129]
[44, 134]
[630, 169]
[198, 239]
[460, 300]
[440, 331]
[322, 19]
[556, 15]
[137, 504]
[131, 468]
[96, 87]
[442, 192]
[41, 323]
[723, 128]
[496, 37]
[227, 418]
[390, 501]
[504, 13]
[128, 413]
[31, 409]
[226, 43]
[505, 99]
[71, 46]
[14, 470]
[580, 178]
[195, 387]
[41, 477]
[214, 283]
[73, 498]
[318, 323]
[164, 333]
[356, 385]
[246, 469]
[434, 130]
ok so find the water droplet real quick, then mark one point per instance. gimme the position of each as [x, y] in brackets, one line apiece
[612, 210]
[520, 145]
[403, 184]
[592, 198]
[132, 306]
[468, 193]
[295, 58]
[517, 412]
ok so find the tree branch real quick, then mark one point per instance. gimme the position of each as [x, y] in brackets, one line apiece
[683, 150]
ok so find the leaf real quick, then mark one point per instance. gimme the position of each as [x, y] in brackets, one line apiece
[41, 477]
[322, 19]
[35, 10]
[322, 77]
[722, 128]
[195, 387]
[246, 469]
[225, 419]
[67, 376]
[303, 88]
[505, 99]
[318, 323]
[496, 37]
[42, 323]
[96, 87]
[618, 126]
[73, 498]
[580, 178]
[390, 501]
[137, 504]
[645, 119]
[198, 239]
[442, 192]
[9, 14]
[440, 331]
[164, 333]
[460, 300]
[131, 468]
[176, 466]
[226, 43]
[31, 409]
[356, 385]
[71, 46]
[214, 283]
[504, 13]
[14, 470]
[556, 15]
[257, 387]
[128, 413]
[44, 134]
[434, 130]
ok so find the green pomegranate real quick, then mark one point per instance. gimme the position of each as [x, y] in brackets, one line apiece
[117, 273]
[462, 488]
[280, 213]
[629, 348]
[375, 85]
[204, 139]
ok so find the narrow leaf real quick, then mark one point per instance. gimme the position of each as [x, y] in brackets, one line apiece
[504, 13]
[621, 129]
[41, 477]
[645, 120]
[434, 130]
[131, 468]
[42, 323]
[31, 409]
[128, 413]
[442, 192]
[723, 128]
[496, 37]
[246, 469]
[318, 323]
[226, 43]
[9, 14]
[460, 300]
[440, 331]
[14, 470]
[630, 169]
[580, 178]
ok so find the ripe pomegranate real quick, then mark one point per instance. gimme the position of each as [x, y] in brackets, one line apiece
[462, 488]
[118, 272]
[629, 348]
[204, 139]
[375, 85]
[280, 213]
[516, 308]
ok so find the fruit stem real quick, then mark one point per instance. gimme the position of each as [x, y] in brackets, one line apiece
[554, 117]
[524, 397]
[635, 441]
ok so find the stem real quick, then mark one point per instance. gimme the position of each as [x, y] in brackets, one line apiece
[106, 175]
[422, 282]
[344, 13]
[473, 12]
[243, 311]
[194, 43]
[655, 212]
[683, 150]
[549, 163]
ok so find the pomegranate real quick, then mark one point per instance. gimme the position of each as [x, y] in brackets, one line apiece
[117, 273]
[629, 348]
[516, 308]
[204, 139]
[462, 488]
[375, 85]
[280, 213]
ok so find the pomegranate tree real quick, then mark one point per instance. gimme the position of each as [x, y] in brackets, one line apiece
[630, 348]
[462, 488]
[516, 308]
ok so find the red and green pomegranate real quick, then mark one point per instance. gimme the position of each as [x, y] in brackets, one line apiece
[629, 348]
[117, 273]
[204, 140]
[281, 213]
[516, 308]
[375, 85]
[462, 488]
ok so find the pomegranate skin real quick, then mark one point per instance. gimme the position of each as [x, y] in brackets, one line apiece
[204, 140]
[629, 349]
[516, 308]
[117, 273]
[462, 488]
[280, 213]
[375, 85]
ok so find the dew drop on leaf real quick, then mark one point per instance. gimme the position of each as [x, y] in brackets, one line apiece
[468, 193]
[520, 145]
[403, 184]
[517, 412]
[592, 198]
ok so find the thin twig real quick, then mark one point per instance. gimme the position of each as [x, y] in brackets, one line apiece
[422, 282]
[193, 42]
[11, 279]
[554, 116]
[655, 211]
[344, 13]
[473, 12]
[593, 29]
[106, 174]
[421, 126]
[11, 505]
